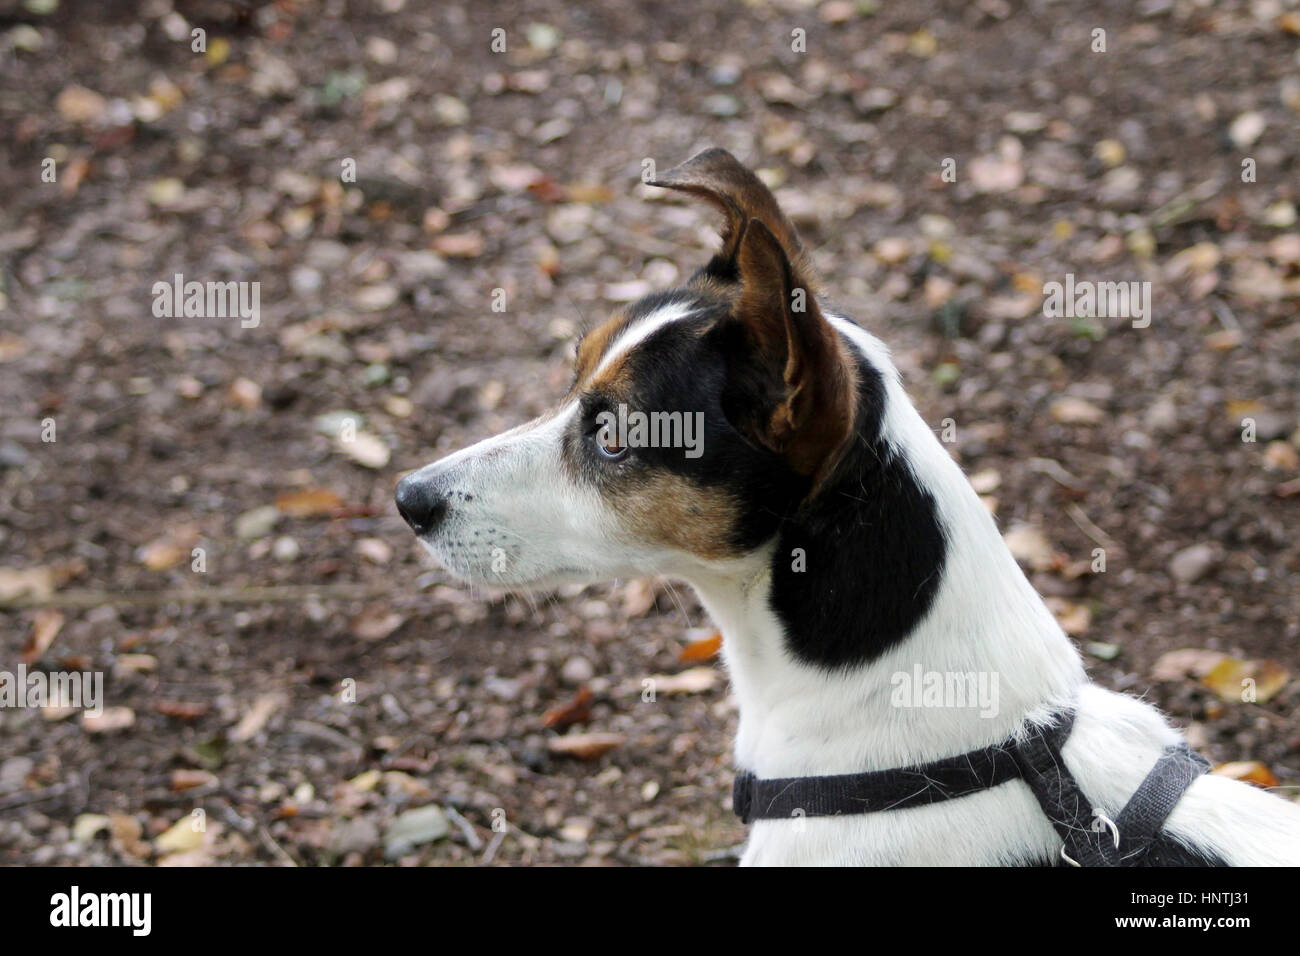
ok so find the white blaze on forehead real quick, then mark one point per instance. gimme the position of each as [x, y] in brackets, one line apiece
[641, 329]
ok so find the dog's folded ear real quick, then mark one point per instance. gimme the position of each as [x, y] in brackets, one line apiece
[719, 178]
[792, 387]
[797, 388]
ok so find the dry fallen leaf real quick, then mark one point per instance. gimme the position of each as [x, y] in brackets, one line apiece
[1188, 662]
[584, 746]
[181, 710]
[1225, 340]
[1280, 456]
[577, 192]
[365, 449]
[309, 502]
[125, 832]
[701, 650]
[1030, 547]
[76, 104]
[112, 718]
[245, 394]
[36, 583]
[181, 836]
[46, 624]
[1075, 619]
[74, 174]
[160, 555]
[169, 550]
[692, 681]
[376, 298]
[11, 347]
[1075, 411]
[986, 482]
[56, 712]
[1236, 680]
[375, 622]
[639, 597]
[87, 825]
[1000, 172]
[189, 779]
[514, 177]
[460, 245]
[183, 845]
[576, 711]
[166, 193]
[1110, 151]
[256, 717]
[1248, 771]
[1246, 129]
[366, 781]
[127, 664]
[375, 550]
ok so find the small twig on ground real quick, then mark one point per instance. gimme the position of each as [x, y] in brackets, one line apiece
[1186, 204]
[329, 735]
[278, 851]
[232, 595]
[1224, 315]
[1053, 469]
[493, 845]
[36, 796]
[473, 839]
[1087, 527]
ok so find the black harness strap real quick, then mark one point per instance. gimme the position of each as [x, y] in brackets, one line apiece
[755, 799]
[1089, 837]
[1043, 768]
[1145, 813]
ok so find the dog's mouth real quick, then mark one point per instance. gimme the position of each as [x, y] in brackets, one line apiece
[493, 566]
[480, 551]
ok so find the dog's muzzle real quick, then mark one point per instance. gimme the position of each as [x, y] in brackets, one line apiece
[421, 504]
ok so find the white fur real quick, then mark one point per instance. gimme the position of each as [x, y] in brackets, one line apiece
[797, 720]
[640, 330]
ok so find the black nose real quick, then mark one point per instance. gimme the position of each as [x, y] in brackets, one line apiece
[420, 504]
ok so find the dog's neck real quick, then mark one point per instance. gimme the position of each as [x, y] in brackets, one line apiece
[803, 715]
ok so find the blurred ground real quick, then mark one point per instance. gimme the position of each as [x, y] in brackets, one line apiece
[519, 170]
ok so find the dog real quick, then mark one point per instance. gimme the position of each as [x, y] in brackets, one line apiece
[837, 546]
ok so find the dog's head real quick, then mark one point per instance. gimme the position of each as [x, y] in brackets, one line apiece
[697, 420]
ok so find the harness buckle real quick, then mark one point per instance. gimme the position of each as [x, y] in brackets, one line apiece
[1101, 821]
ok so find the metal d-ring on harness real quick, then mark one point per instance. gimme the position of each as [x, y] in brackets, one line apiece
[1089, 837]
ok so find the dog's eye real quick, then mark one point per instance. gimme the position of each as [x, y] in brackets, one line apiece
[607, 444]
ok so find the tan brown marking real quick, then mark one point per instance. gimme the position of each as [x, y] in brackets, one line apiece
[814, 420]
[593, 347]
[614, 379]
[670, 510]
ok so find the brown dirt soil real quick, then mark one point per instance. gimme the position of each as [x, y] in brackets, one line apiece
[520, 171]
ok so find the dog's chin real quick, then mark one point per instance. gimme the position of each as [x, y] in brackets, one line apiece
[516, 576]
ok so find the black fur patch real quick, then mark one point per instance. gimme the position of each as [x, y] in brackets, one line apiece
[873, 546]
